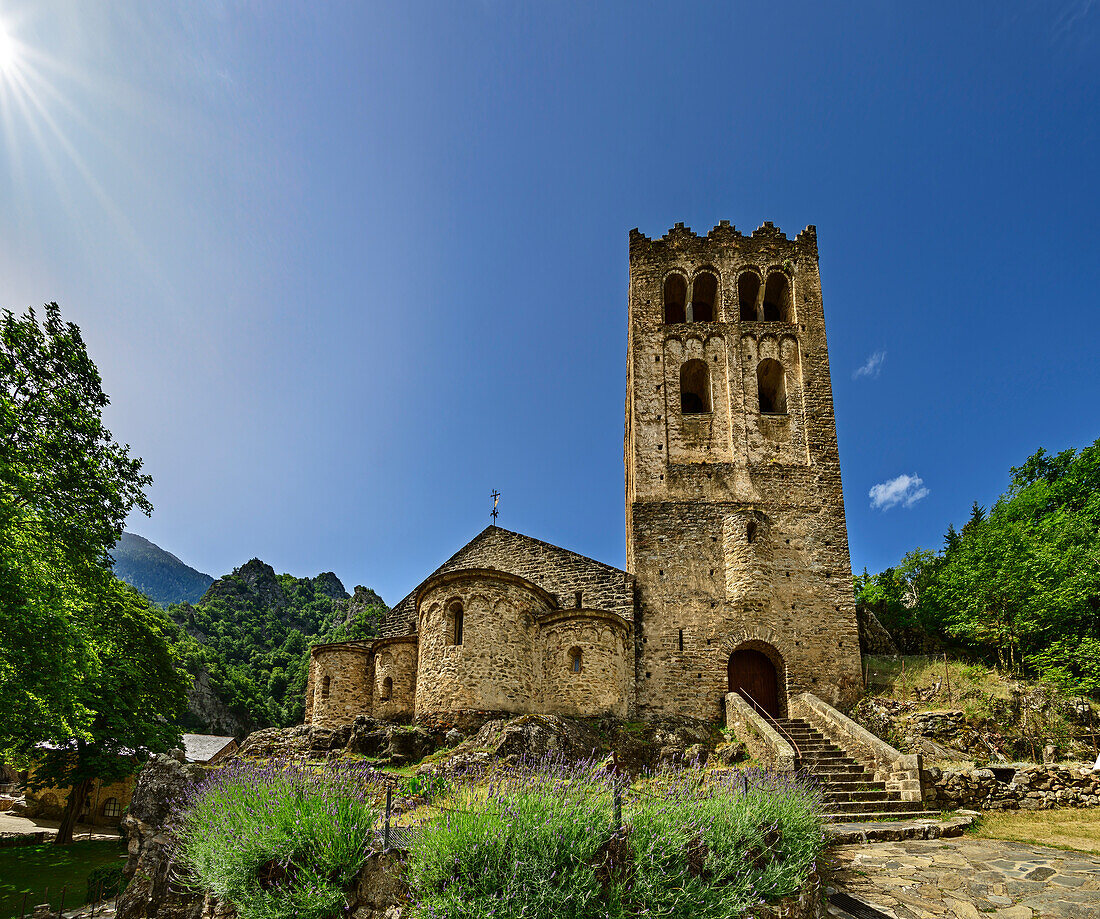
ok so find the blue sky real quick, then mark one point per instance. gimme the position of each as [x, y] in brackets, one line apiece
[346, 268]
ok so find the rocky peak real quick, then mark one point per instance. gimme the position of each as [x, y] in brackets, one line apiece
[328, 585]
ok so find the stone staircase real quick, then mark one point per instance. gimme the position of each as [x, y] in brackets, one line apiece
[850, 792]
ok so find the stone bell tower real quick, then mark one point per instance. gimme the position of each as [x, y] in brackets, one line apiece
[735, 525]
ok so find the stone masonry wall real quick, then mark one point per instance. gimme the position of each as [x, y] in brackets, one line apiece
[694, 482]
[606, 665]
[1035, 787]
[395, 677]
[347, 692]
[493, 669]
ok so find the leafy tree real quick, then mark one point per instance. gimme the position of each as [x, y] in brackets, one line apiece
[1021, 583]
[74, 644]
[133, 690]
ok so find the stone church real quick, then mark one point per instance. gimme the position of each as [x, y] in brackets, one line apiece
[738, 575]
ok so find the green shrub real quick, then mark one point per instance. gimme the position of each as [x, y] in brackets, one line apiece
[104, 882]
[278, 840]
[534, 844]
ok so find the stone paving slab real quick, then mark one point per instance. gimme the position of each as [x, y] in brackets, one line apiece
[968, 878]
[882, 830]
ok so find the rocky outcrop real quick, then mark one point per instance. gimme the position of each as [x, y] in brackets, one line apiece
[153, 889]
[873, 637]
[207, 708]
[1032, 787]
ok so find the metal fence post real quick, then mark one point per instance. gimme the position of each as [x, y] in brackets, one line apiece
[617, 817]
[389, 808]
[62, 904]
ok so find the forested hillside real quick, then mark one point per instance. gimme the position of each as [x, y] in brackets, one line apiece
[246, 642]
[1018, 586]
[158, 574]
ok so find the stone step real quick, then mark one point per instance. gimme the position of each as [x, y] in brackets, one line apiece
[886, 807]
[854, 783]
[879, 815]
[870, 794]
[827, 769]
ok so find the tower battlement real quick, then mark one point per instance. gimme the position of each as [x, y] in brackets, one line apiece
[805, 243]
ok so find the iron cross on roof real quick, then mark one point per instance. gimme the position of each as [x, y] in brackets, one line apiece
[496, 500]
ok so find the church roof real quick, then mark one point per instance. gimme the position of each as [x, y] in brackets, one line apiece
[556, 570]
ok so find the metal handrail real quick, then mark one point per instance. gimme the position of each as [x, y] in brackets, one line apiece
[778, 726]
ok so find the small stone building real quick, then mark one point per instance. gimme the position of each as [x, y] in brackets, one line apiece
[738, 575]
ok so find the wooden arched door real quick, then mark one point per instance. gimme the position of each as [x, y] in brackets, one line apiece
[751, 674]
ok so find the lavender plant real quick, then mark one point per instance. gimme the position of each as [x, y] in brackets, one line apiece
[278, 840]
[536, 842]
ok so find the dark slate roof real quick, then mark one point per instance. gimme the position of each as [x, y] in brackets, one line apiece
[556, 570]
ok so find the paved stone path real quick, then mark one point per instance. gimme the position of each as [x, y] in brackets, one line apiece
[968, 878]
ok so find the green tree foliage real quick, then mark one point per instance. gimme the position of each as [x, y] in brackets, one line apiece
[252, 630]
[133, 690]
[74, 642]
[1021, 583]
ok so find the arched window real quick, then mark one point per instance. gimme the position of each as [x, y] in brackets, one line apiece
[575, 660]
[694, 388]
[704, 293]
[777, 298]
[748, 291]
[455, 617]
[387, 688]
[750, 532]
[326, 685]
[112, 807]
[675, 298]
[771, 383]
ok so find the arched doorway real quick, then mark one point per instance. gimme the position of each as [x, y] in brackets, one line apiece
[753, 675]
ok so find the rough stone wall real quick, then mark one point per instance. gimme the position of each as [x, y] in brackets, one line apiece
[558, 571]
[1036, 787]
[395, 660]
[494, 669]
[694, 483]
[606, 664]
[347, 669]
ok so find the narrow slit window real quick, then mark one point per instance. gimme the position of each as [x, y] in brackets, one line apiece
[326, 685]
[681, 639]
[575, 660]
[456, 623]
[387, 688]
[675, 298]
[772, 386]
[694, 388]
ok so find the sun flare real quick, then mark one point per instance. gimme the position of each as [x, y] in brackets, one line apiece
[9, 51]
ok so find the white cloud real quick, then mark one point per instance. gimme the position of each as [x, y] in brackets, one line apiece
[905, 490]
[872, 367]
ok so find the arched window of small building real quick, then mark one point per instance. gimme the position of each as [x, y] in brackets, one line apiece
[387, 688]
[455, 624]
[575, 660]
[777, 298]
[112, 807]
[326, 685]
[704, 294]
[748, 291]
[772, 386]
[750, 532]
[694, 387]
[675, 298]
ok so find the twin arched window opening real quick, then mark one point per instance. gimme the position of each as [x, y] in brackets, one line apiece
[694, 387]
[701, 306]
[771, 382]
[773, 305]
